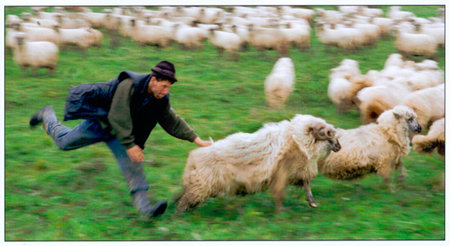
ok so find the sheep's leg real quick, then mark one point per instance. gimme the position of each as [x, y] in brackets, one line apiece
[51, 70]
[220, 51]
[34, 71]
[402, 175]
[278, 188]
[185, 202]
[308, 194]
[385, 173]
[234, 56]
[23, 68]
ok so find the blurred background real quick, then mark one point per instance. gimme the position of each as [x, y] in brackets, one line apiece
[222, 55]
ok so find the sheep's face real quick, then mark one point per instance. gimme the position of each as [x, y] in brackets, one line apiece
[406, 114]
[322, 132]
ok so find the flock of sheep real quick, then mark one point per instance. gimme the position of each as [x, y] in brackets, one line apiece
[395, 103]
[228, 28]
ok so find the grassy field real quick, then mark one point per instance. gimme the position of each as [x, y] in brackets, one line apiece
[81, 194]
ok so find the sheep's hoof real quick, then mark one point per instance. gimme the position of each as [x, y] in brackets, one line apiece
[313, 204]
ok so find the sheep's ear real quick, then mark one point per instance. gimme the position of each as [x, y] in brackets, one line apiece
[300, 146]
[397, 116]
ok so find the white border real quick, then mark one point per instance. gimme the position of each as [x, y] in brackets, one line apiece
[205, 3]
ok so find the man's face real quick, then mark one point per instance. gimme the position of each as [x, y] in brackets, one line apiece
[158, 88]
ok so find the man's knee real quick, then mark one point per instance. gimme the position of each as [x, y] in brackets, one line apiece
[64, 146]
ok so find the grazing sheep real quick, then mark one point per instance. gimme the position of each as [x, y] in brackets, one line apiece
[341, 36]
[279, 84]
[434, 139]
[36, 54]
[384, 25]
[210, 15]
[190, 37]
[12, 19]
[228, 41]
[345, 82]
[273, 157]
[96, 20]
[150, 34]
[374, 148]
[39, 33]
[306, 14]
[49, 23]
[81, 37]
[298, 35]
[268, 38]
[436, 31]
[374, 100]
[429, 104]
[397, 14]
[416, 44]
[330, 16]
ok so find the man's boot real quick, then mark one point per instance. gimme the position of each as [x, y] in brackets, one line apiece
[142, 203]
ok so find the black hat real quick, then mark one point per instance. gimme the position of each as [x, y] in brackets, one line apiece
[166, 69]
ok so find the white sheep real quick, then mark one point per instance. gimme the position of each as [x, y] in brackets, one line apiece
[416, 44]
[210, 15]
[435, 138]
[150, 34]
[273, 157]
[384, 24]
[374, 148]
[343, 90]
[268, 38]
[81, 37]
[397, 14]
[303, 13]
[298, 35]
[35, 54]
[429, 104]
[28, 18]
[345, 82]
[330, 16]
[341, 36]
[424, 79]
[374, 100]
[279, 84]
[243, 33]
[190, 37]
[435, 31]
[12, 19]
[72, 20]
[39, 33]
[96, 20]
[228, 41]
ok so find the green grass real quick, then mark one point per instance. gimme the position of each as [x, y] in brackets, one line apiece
[81, 194]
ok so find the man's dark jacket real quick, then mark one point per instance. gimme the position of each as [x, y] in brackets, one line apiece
[93, 101]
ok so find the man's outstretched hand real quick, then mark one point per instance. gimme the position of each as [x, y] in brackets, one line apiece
[200, 143]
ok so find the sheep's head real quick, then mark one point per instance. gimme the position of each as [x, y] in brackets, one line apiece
[322, 132]
[409, 116]
[402, 114]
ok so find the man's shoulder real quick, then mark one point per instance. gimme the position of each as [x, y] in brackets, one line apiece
[136, 77]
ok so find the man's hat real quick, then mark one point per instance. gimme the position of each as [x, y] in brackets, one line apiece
[165, 69]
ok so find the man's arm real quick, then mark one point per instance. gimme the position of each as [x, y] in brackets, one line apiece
[177, 127]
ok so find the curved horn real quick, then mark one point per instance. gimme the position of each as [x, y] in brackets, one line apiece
[330, 133]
